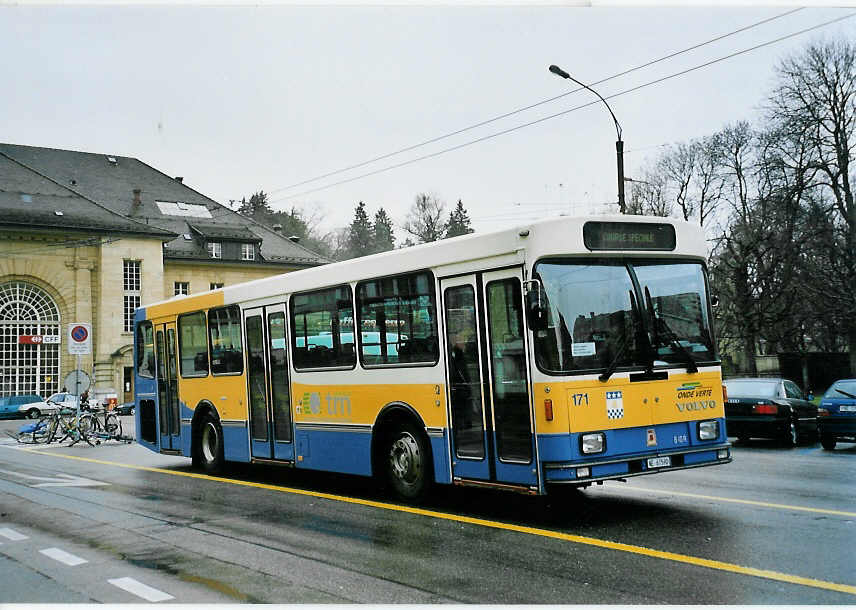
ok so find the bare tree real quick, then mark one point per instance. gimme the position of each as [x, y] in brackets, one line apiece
[814, 107]
[648, 195]
[425, 219]
[685, 179]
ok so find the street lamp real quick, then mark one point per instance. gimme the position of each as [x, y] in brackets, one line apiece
[619, 145]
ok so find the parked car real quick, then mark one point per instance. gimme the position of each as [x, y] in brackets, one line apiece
[10, 406]
[837, 414]
[36, 408]
[769, 408]
[126, 408]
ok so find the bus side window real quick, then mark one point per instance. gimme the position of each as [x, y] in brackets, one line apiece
[322, 329]
[397, 318]
[145, 350]
[191, 343]
[224, 329]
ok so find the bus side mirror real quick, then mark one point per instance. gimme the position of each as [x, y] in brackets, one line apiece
[536, 310]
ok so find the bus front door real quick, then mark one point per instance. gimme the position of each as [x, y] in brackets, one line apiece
[267, 383]
[169, 413]
[492, 433]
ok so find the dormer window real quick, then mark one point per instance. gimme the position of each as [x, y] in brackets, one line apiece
[215, 249]
[248, 252]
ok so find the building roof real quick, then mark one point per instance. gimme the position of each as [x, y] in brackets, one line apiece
[32, 201]
[212, 232]
[163, 202]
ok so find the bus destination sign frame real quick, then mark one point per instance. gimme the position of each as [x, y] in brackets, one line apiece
[648, 236]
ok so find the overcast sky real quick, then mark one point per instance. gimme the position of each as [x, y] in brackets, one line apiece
[238, 99]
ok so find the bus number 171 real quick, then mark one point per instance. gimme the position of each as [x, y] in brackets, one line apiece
[580, 399]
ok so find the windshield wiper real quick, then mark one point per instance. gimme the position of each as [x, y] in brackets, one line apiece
[660, 324]
[847, 394]
[623, 345]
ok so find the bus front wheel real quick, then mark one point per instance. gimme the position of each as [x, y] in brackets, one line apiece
[208, 448]
[408, 463]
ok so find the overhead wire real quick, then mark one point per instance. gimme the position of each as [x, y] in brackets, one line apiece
[536, 104]
[564, 112]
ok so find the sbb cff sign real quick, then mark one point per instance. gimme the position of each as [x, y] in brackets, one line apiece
[38, 339]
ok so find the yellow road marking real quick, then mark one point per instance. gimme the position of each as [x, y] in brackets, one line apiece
[807, 509]
[595, 542]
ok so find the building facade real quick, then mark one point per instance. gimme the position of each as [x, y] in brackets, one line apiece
[87, 237]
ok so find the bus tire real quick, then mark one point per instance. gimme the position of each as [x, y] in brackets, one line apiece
[208, 445]
[407, 462]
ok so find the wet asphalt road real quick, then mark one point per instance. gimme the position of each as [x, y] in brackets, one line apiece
[776, 526]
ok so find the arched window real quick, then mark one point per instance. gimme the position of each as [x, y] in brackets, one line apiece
[29, 340]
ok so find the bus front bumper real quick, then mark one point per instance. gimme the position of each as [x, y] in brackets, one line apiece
[621, 467]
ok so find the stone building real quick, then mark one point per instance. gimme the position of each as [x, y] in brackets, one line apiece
[88, 237]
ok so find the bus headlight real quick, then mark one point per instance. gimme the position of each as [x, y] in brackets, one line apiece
[593, 443]
[708, 430]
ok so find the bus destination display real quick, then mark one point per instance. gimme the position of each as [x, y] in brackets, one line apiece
[628, 236]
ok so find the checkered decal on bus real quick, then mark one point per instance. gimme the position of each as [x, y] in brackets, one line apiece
[614, 405]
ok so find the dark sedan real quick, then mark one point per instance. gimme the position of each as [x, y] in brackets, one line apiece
[769, 408]
[837, 413]
[126, 408]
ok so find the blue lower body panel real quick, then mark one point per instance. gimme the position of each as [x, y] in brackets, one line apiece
[236, 445]
[343, 451]
[440, 452]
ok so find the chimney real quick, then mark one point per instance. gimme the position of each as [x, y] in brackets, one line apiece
[277, 228]
[179, 179]
[137, 201]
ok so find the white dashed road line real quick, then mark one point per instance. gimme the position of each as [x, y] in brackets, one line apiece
[11, 534]
[63, 557]
[126, 583]
[140, 590]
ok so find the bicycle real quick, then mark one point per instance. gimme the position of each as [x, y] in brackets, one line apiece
[106, 424]
[66, 422]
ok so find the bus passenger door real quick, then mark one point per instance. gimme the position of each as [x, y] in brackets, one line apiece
[466, 388]
[488, 379]
[169, 413]
[267, 384]
[514, 440]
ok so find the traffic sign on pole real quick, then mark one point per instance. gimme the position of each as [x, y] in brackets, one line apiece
[79, 338]
[77, 382]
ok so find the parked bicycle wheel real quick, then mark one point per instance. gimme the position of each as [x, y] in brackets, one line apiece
[45, 430]
[86, 426]
[113, 425]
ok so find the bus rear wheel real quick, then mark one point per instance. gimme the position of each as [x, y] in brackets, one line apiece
[208, 445]
[408, 463]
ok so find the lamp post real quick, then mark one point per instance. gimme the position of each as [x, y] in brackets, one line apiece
[619, 145]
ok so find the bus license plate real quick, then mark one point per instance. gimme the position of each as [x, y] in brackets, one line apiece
[659, 462]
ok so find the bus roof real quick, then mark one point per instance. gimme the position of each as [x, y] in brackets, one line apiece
[524, 243]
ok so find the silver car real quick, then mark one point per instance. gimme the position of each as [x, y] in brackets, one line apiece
[34, 410]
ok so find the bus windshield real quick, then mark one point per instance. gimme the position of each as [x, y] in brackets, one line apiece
[597, 319]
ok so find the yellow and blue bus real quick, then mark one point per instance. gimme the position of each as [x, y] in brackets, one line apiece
[564, 352]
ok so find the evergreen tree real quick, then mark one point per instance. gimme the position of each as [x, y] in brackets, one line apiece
[459, 222]
[256, 208]
[383, 236]
[360, 233]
